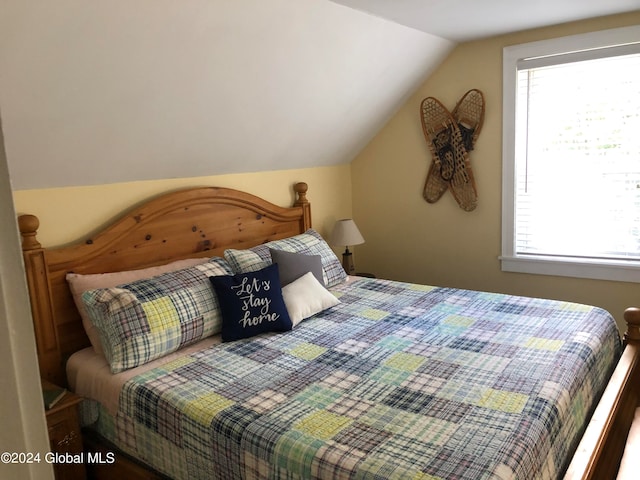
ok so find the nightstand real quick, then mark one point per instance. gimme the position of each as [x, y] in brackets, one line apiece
[65, 437]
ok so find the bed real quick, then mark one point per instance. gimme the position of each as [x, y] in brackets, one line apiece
[383, 380]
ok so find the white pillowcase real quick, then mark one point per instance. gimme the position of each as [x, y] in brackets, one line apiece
[305, 297]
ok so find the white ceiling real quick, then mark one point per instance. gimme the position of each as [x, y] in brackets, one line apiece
[463, 20]
[106, 92]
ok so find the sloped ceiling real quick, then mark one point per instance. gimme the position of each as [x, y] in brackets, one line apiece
[463, 20]
[105, 92]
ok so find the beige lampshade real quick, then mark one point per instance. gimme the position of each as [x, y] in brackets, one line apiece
[346, 233]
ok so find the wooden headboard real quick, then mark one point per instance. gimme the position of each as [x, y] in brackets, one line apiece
[195, 222]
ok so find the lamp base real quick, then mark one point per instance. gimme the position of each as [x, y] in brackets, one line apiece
[347, 263]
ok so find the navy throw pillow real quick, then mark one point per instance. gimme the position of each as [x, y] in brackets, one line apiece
[251, 303]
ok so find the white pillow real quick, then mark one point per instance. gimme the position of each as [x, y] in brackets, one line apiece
[305, 297]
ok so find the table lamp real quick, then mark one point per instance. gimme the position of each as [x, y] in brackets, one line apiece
[346, 233]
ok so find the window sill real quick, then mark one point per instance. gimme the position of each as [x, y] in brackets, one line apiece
[569, 267]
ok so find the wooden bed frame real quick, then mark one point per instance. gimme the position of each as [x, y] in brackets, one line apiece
[204, 222]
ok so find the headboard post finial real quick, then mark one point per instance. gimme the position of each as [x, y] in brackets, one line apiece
[301, 191]
[301, 201]
[29, 225]
[632, 317]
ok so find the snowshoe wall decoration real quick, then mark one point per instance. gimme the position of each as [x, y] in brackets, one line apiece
[450, 137]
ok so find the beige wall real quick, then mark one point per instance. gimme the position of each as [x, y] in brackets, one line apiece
[440, 244]
[71, 213]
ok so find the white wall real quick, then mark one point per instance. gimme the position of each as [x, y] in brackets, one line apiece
[22, 424]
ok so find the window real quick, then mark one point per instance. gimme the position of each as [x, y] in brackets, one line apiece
[571, 156]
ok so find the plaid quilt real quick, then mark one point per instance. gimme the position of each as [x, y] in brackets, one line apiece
[398, 381]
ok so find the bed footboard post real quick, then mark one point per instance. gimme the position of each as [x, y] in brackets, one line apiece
[602, 446]
[632, 317]
[37, 272]
[301, 201]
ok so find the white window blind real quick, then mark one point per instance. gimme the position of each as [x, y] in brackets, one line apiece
[571, 155]
[578, 159]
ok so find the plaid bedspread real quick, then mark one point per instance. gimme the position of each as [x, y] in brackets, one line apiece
[399, 381]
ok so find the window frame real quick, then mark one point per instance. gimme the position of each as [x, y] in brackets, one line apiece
[616, 270]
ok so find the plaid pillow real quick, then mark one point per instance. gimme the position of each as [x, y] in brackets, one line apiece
[78, 284]
[147, 319]
[309, 243]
